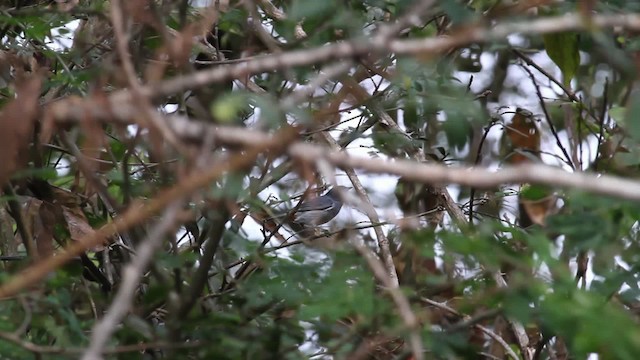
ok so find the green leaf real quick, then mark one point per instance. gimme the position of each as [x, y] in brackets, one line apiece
[534, 192]
[457, 130]
[562, 48]
[632, 120]
[42, 173]
[228, 107]
[457, 12]
[302, 9]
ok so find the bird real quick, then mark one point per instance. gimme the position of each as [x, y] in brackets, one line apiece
[320, 210]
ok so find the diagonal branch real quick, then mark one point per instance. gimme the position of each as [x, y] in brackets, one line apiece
[383, 241]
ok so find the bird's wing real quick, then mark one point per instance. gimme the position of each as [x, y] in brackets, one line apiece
[318, 204]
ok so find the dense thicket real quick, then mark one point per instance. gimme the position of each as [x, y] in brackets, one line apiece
[153, 155]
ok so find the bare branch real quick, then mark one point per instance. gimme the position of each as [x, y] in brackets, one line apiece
[122, 105]
[150, 114]
[383, 242]
[481, 178]
[484, 329]
[132, 274]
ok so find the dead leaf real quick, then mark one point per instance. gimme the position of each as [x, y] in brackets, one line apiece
[78, 225]
[539, 210]
[68, 5]
[93, 141]
[8, 242]
[60, 110]
[524, 136]
[75, 219]
[17, 121]
[141, 12]
[178, 50]
[44, 237]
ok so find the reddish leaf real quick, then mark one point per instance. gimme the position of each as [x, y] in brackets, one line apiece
[539, 210]
[524, 136]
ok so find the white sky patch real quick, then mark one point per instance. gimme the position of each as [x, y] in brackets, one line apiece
[63, 36]
[182, 237]
[63, 168]
[170, 108]
[517, 40]
[481, 79]
[132, 130]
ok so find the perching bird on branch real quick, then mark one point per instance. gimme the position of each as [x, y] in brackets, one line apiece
[321, 209]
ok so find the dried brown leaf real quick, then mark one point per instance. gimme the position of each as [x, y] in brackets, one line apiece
[44, 237]
[141, 11]
[94, 139]
[539, 210]
[60, 110]
[8, 242]
[524, 136]
[17, 121]
[77, 222]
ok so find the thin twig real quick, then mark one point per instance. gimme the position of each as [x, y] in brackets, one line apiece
[383, 241]
[603, 114]
[132, 274]
[141, 99]
[548, 118]
[404, 308]
[476, 162]
[532, 63]
[484, 329]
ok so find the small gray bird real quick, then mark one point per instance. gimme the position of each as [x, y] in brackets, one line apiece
[321, 209]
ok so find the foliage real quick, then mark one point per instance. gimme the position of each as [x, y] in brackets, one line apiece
[148, 165]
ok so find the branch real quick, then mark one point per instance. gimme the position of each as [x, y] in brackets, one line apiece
[481, 178]
[121, 105]
[101, 332]
[428, 173]
[150, 115]
[484, 329]
[57, 350]
[378, 44]
[205, 261]
[543, 105]
[137, 212]
[383, 241]
[404, 307]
